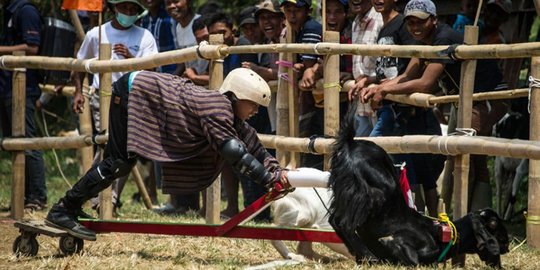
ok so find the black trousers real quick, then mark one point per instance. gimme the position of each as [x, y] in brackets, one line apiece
[117, 162]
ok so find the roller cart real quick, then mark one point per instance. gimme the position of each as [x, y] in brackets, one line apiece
[26, 244]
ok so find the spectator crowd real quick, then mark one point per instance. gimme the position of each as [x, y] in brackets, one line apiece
[140, 28]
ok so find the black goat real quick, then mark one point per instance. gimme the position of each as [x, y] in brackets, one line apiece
[369, 213]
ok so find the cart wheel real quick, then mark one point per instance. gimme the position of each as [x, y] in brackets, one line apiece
[70, 245]
[25, 246]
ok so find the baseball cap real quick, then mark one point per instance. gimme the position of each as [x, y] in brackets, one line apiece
[269, 5]
[136, 2]
[421, 9]
[344, 2]
[247, 15]
[505, 5]
[298, 3]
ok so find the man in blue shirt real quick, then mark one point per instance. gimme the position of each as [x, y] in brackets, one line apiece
[162, 26]
[22, 26]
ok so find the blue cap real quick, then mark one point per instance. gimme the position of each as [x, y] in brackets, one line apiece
[421, 9]
[298, 3]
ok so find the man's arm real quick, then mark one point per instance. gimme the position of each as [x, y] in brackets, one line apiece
[202, 79]
[28, 49]
[78, 98]
[268, 74]
[406, 83]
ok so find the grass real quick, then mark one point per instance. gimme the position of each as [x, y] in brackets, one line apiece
[140, 251]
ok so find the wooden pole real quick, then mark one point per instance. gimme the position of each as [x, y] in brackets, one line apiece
[18, 130]
[533, 219]
[105, 90]
[485, 51]
[292, 90]
[85, 125]
[462, 162]
[461, 170]
[445, 145]
[323, 12]
[537, 6]
[213, 193]
[282, 107]
[491, 51]
[331, 92]
[142, 188]
[77, 24]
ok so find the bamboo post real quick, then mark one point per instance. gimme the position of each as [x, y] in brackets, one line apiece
[537, 6]
[142, 188]
[105, 85]
[213, 193]
[77, 24]
[533, 225]
[331, 92]
[462, 162]
[282, 107]
[18, 130]
[85, 125]
[461, 170]
[292, 90]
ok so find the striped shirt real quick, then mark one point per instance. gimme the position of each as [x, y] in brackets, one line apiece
[365, 31]
[311, 32]
[182, 125]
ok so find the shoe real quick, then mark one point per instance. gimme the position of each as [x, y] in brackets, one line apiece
[35, 205]
[169, 210]
[61, 218]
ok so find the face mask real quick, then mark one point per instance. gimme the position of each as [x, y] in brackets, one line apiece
[125, 20]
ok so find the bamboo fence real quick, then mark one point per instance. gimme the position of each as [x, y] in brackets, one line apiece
[453, 145]
[464, 52]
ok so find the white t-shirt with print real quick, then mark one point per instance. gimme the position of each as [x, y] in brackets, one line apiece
[139, 41]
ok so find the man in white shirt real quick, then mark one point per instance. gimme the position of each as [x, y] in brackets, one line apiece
[127, 40]
[182, 12]
[365, 29]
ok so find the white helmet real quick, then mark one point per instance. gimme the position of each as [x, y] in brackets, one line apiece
[246, 84]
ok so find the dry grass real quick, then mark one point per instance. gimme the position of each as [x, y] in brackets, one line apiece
[139, 251]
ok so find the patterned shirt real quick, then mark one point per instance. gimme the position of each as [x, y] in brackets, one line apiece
[365, 31]
[163, 28]
[183, 126]
[311, 32]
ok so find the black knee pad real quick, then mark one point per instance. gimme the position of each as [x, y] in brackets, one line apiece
[240, 159]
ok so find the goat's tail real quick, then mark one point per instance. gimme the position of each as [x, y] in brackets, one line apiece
[347, 129]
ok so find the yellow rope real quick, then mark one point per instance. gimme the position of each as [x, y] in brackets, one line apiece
[105, 94]
[443, 217]
[534, 220]
[331, 85]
